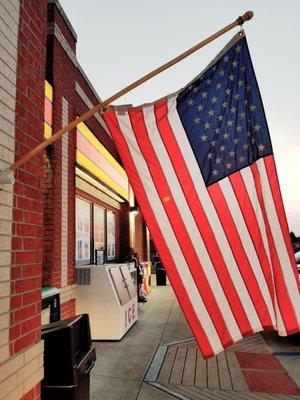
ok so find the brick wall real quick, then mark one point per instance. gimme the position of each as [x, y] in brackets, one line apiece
[22, 61]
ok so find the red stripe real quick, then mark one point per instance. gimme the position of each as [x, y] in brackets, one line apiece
[178, 226]
[254, 230]
[284, 302]
[239, 253]
[277, 198]
[200, 218]
[157, 236]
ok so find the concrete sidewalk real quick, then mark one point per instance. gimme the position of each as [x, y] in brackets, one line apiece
[159, 360]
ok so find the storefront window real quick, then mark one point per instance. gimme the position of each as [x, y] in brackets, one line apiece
[99, 225]
[111, 236]
[83, 231]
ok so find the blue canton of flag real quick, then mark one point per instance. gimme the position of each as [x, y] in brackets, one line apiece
[223, 116]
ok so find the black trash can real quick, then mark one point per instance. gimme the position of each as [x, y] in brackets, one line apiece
[69, 357]
[160, 276]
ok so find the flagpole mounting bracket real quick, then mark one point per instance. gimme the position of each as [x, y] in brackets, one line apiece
[6, 177]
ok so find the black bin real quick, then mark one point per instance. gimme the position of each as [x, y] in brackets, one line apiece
[160, 276]
[69, 357]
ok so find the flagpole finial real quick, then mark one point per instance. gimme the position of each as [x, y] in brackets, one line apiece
[245, 17]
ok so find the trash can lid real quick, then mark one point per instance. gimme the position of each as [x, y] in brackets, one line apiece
[49, 291]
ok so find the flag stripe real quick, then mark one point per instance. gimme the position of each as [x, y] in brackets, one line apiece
[157, 123]
[177, 224]
[277, 198]
[225, 202]
[201, 220]
[170, 255]
[259, 236]
[212, 215]
[288, 276]
[252, 241]
[284, 300]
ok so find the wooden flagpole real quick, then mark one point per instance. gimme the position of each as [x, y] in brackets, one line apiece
[239, 21]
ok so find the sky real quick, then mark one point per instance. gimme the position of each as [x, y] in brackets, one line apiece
[120, 41]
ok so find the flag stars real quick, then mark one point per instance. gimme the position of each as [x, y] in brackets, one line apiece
[240, 83]
[197, 120]
[243, 115]
[203, 138]
[218, 86]
[204, 95]
[236, 96]
[218, 160]
[208, 81]
[257, 127]
[245, 102]
[243, 69]
[200, 107]
[252, 107]
[213, 143]
[211, 113]
[248, 88]
[226, 59]
[238, 128]
[224, 104]
[226, 136]
[222, 148]
[228, 91]
[238, 49]
[209, 155]
[233, 110]
[190, 102]
[261, 147]
[253, 141]
[207, 125]
[231, 77]
[242, 159]
[217, 131]
[215, 172]
[228, 165]
[229, 123]
[232, 153]
[214, 99]
[222, 72]
[220, 117]
[245, 146]
[195, 90]
[236, 141]
[234, 64]
[248, 134]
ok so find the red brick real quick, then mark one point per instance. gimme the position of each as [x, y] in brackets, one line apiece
[26, 257]
[14, 332]
[31, 297]
[15, 302]
[31, 270]
[25, 341]
[25, 313]
[31, 324]
[25, 285]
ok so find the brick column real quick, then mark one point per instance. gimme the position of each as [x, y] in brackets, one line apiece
[59, 212]
[22, 68]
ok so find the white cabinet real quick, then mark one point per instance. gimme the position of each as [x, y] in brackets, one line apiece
[108, 294]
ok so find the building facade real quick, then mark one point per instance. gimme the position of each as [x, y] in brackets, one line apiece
[68, 201]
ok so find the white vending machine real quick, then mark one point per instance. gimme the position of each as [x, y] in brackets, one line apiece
[108, 294]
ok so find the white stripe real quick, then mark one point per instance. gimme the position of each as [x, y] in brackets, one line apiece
[247, 243]
[189, 223]
[166, 229]
[212, 216]
[281, 249]
[251, 190]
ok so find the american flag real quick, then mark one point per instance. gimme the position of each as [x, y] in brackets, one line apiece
[202, 168]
